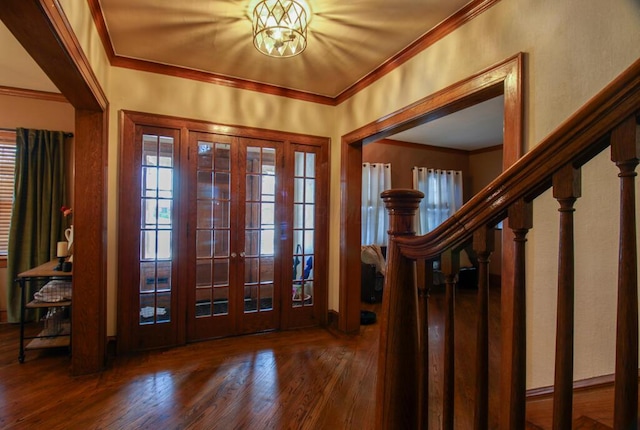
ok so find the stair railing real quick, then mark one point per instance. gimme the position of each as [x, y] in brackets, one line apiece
[610, 119]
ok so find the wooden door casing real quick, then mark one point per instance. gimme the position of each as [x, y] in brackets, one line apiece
[137, 330]
[285, 316]
[219, 254]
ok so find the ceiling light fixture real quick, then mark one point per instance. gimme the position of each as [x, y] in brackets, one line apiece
[280, 28]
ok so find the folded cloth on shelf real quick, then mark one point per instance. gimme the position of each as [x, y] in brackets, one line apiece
[54, 291]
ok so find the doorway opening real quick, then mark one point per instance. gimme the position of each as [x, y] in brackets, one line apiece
[503, 79]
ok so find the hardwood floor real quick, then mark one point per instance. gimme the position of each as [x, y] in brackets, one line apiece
[305, 379]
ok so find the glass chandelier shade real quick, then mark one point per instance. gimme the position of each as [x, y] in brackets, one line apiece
[280, 28]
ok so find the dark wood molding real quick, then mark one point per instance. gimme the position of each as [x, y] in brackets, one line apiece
[101, 27]
[32, 94]
[504, 78]
[212, 78]
[402, 144]
[488, 149]
[455, 21]
[603, 381]
[44, 31]
[50, 41]
[90, 259]
[332, 319]
[449, 25]
[194, 125]
[413, 145]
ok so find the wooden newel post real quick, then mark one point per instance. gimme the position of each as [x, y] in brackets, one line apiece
[399, 353]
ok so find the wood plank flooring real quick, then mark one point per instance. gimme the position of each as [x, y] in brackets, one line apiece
[304, 379]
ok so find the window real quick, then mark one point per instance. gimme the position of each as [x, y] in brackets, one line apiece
[442, 196]
[376, 178]
[7, 169]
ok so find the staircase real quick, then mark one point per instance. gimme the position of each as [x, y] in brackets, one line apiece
[609, 120]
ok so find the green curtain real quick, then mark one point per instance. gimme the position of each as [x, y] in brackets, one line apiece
[37, 223]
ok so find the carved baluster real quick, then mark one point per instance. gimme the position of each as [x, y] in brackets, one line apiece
[625, 152]
[450, 266]
[424, 275]
[399, 353]
[483, 245]
[514, 348]
[566, 189]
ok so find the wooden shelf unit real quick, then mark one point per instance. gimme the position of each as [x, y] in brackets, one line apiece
[45, 338]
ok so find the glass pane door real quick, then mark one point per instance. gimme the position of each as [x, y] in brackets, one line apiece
[156, 222]
[304, 204]
[258, 248]
[213, 229]
[259, 244]
[234, 285]
[306, 253]
[148, 242]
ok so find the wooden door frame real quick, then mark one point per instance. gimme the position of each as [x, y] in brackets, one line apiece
[43, 30]
[288, 318]
[130, 334]
[275, 316]
[504, 78]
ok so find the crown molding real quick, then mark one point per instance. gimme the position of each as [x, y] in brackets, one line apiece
[461, 17]
[212, 78]
[33, 94]
[422, 146]
[455, 21]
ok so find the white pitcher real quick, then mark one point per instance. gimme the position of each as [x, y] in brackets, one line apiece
[68, 233]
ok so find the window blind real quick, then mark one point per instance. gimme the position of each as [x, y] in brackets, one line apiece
[7, 175]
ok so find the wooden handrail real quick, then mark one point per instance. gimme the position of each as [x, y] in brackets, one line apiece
[576, 141]
[608, 119]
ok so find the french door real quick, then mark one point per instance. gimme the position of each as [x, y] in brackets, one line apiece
[234, 259]
[218, 233]
[149, 252]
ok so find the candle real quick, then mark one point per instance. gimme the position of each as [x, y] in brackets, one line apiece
[62, 249]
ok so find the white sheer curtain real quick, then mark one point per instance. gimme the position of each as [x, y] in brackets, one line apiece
[442, 196]
[376, 177]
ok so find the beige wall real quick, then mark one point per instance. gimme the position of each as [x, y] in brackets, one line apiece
[573, 49]
[38, 114]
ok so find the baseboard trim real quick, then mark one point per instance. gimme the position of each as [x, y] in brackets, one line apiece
[332, 319]
[111, 346]
[603, 381]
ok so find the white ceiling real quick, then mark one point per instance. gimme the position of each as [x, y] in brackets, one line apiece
[476, 127]
[347, 41]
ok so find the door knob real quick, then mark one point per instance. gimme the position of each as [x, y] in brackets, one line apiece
[242, 254]
[234, 255]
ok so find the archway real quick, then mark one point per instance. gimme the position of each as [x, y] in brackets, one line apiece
[505, 78]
